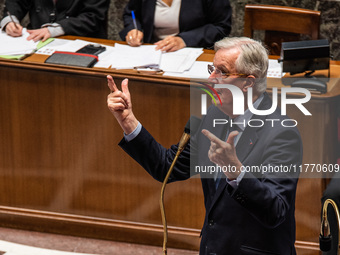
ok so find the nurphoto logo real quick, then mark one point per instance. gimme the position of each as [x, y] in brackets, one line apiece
[239, 102]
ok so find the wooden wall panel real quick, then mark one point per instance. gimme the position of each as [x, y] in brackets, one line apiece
[62, 171]
[60, 151]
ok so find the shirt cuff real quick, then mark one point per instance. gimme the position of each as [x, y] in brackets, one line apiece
[236, 182]
[55, 29]
[6, 20]
[134, 133]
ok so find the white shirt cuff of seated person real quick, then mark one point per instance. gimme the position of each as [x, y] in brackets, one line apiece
[55, 29]
[6, 20]
[134, 133]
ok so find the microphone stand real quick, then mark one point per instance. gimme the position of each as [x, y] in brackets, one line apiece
[183, 142]
[325, 238]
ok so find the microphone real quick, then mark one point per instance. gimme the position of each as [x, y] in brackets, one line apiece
[190, 128]
[325, 238]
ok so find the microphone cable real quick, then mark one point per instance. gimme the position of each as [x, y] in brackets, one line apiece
[195, 121]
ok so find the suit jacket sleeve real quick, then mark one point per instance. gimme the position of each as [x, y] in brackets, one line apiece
[136, 6]
[156, 159]
[215, 26]
[270, 197]
[85, 21]
[17, 8]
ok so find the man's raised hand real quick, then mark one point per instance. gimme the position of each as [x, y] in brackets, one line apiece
[223, 153]
[119, 103]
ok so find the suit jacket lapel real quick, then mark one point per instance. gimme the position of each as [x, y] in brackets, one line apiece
[246, 143]
[243, 147]
[148, 13]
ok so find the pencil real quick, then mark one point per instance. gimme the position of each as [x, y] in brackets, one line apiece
[15, 24]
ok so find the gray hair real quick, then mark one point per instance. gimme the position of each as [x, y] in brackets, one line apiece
[253, 58]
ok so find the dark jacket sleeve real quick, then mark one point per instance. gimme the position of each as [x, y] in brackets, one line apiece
[211, 24]
[156, 159]
[17, 8]
[270, 197]
[78, 17]
[136, 6]
[86, 19]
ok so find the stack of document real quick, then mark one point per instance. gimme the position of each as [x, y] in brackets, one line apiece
[127, 57]
[16, 47]
[199, 70]
[179, 61]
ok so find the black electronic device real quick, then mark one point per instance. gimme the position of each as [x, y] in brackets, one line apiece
[303, 56]
[306, 57]
[93, 49]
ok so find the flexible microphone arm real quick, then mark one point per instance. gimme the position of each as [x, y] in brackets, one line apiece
[182, 143]
[325, 238]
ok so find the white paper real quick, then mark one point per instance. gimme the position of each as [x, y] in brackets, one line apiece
[19, 249]
[16, 45]
[274, 69]
[198, 70]
[104, 57]
[127, 57]
[53, 46]
[63, 45]
[181, 60]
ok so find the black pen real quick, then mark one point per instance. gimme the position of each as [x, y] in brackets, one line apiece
[15, 24]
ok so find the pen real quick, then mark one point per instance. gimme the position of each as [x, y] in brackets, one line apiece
[15, 24]
[134, 20]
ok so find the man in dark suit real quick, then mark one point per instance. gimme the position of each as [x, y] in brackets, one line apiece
[52, 18]
[250, 206]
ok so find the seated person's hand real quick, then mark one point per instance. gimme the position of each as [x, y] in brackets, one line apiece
[14, 29]
[170, 43]
[134, 37]
[39, 34]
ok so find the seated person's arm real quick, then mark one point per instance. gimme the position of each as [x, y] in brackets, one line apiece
[132, 36]
[12, 24]
[218, 26]
[11, 28]
[47, 31]
[87, 20]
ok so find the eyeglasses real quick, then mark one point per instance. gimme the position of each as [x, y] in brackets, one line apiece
[212, 68]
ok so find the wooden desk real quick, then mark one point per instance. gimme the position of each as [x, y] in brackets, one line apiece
[62, 171]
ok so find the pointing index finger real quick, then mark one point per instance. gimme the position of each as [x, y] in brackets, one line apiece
[211, 136]
[111, 83]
